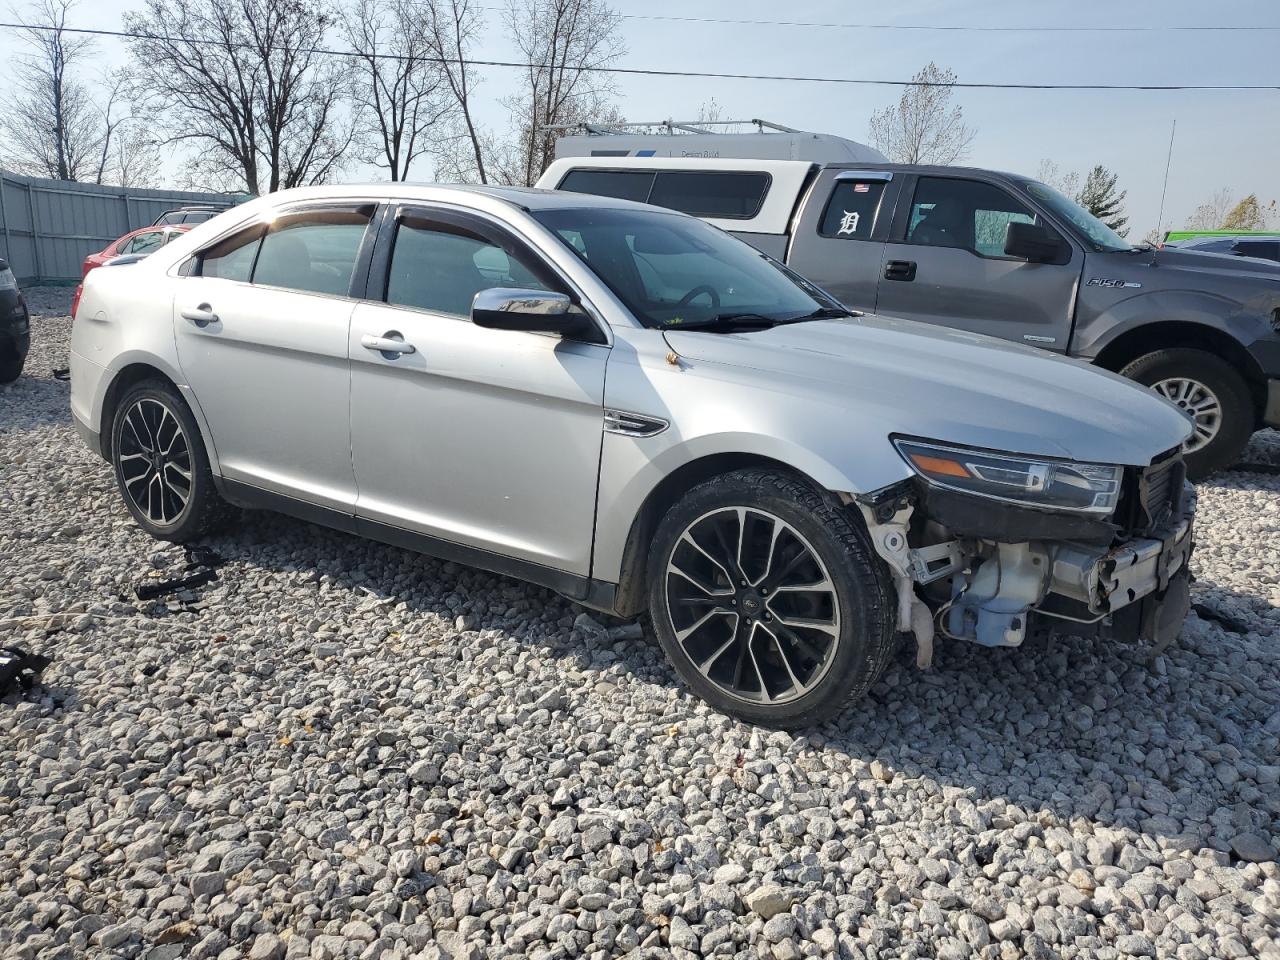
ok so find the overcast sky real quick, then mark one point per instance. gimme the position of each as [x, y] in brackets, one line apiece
[1224, 139]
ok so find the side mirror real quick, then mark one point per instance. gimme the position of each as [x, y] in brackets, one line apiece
[1031, 242]
[533, 311]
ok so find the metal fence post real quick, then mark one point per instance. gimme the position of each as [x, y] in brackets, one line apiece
[128, 224]
[35, 235]
[4, 221]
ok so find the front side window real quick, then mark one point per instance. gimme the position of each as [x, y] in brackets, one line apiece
[441, 268]
[314, 252]
[851, 211]
[966, 214]
[670, 270]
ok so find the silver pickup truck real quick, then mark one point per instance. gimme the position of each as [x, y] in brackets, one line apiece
[999, 254]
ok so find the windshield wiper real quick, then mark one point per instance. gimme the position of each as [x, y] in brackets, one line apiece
[724, 321]
[826, 313]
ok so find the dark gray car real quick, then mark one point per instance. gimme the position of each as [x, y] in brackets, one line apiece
[1001, 254]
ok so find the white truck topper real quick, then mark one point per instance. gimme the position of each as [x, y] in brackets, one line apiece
[786, 179]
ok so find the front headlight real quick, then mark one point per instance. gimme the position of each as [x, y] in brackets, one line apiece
[1047, 484]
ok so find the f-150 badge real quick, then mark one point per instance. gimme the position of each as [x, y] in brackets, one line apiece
[1104, 282]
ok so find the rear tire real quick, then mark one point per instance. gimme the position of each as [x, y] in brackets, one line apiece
[11, 368]
[768, 599]
[1208, 387]
[161, 466]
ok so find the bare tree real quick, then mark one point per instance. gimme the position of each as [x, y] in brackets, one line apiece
[1065, 182]
[563, 41]
[452, 32]
[244, 82]
[1210, 214]
[923, 126]
[401, 85]
[50, 125]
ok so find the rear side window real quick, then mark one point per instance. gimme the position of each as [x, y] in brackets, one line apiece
[726, 196]
[232, 258]
[619, 184]
[441, 268]
[851, 211]
[314, 252]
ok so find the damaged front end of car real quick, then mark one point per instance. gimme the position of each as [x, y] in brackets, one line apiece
[992, 547]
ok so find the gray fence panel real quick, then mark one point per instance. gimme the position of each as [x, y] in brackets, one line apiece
[48, 227]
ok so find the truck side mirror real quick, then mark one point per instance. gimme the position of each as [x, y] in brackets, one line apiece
[1031, 242]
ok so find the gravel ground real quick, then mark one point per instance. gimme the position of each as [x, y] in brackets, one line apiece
[345, 750]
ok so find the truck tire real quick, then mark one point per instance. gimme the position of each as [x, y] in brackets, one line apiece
[1209, 389]
[161, 466]
[768, 599]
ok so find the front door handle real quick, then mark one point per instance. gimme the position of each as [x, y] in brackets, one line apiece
[900, 270]
[391, 344]
[201, 316]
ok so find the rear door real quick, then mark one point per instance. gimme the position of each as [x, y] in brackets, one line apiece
[944, 263]
[839, 240]
[261, 329]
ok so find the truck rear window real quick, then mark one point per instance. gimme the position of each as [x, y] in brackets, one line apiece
[727, 195]
[851, 211]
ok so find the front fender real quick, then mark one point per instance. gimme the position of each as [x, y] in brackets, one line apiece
[1244, 321]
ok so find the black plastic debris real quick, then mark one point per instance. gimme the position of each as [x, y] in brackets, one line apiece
[1220, 617]
[200, 569]
[19, 669]
[62, 373]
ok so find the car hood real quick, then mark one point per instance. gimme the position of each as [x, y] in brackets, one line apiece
[956, 387]
[1193, 261]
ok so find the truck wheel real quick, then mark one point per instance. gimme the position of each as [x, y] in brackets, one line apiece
[768, 599]
[161, 466]
[1207, 387]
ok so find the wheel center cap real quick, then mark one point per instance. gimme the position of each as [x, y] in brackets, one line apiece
[750, 603]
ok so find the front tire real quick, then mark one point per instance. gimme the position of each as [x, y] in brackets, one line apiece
[1216, 396]
[161, 467]
[768, 599]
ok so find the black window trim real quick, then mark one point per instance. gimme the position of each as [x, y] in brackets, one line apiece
[655, 172]
[489, 229]
[907, 200]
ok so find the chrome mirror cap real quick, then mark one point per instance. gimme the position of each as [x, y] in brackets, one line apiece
[538, 303]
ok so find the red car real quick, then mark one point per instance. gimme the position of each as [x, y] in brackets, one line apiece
[144, 241]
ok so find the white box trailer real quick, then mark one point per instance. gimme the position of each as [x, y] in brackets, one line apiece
[694, 139]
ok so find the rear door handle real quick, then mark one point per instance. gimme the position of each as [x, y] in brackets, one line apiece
[391, 344]
[900, 270]
[201, 316]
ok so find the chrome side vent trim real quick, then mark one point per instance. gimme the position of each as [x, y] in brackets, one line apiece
[633, 424]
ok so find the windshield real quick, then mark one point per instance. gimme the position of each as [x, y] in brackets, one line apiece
[671, 270]
[1099, 236]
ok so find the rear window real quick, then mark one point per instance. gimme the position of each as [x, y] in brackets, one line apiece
[722, 195]
[1265, 249]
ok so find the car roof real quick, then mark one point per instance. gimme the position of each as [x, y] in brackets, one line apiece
[526, 198]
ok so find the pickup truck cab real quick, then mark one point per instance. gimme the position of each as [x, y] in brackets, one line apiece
[997, 254]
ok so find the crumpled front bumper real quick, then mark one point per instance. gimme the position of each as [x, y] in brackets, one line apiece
[1107, 580]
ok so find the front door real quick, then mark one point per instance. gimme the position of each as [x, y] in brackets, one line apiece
[945, 264]
[485, 438]
[261, 331]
